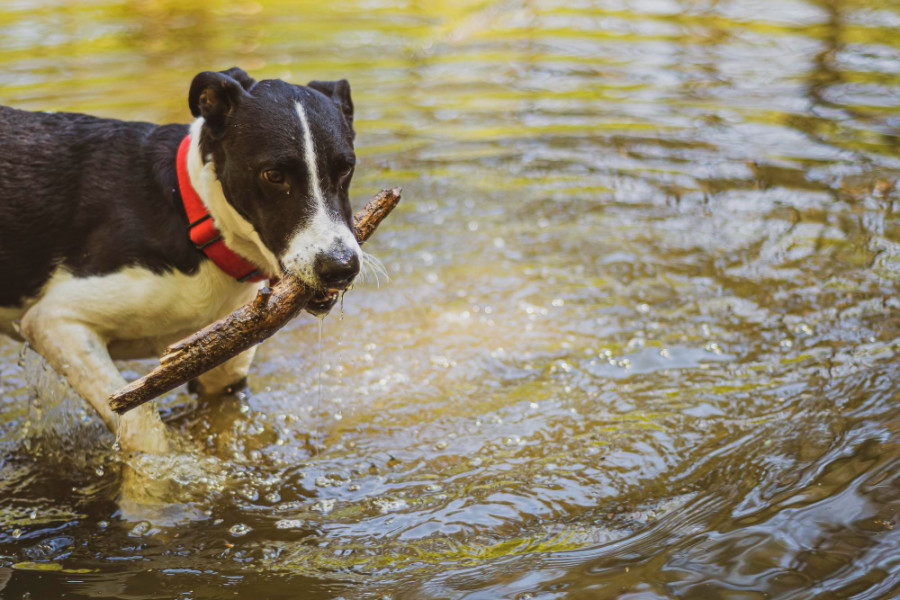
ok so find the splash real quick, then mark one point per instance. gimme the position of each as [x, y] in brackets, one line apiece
[57, 416]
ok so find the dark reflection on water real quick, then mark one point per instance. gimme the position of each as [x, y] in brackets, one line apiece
[639, 339]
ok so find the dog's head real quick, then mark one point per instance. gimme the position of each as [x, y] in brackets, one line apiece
[283, 157]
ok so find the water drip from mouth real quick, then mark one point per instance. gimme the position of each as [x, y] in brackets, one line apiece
[319, 376]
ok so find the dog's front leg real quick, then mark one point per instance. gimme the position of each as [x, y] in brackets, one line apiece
[80, 355]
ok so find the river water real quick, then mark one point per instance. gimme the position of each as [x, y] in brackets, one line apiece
[639, 340]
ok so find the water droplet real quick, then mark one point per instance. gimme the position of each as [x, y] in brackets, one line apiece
[239, 530]
[289, 524]
[636, 343]
[16, 533]
[386, 505]
[440, 445]
[249, 493]
[665, 353]
[353, 487]
[441, 361]
[32, 515]
[140, 529]
[561, 365]
[643, 308]
[322, 481]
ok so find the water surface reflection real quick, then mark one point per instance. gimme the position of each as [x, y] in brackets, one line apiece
[639, 339]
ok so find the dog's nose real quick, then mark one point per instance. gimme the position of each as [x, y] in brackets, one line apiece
[337, 269]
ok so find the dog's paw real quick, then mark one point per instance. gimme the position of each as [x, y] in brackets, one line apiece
[196, 387]
[322, 303]
[238, 386]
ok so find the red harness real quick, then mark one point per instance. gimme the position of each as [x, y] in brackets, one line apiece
[204, 234]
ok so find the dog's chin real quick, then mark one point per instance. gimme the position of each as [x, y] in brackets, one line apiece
[322, 302]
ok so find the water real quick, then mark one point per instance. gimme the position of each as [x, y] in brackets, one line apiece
[640, 336]
[320, 372]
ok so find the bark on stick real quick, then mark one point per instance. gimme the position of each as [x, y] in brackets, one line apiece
[244, 328]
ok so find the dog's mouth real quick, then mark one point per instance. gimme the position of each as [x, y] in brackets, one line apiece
[323, 301]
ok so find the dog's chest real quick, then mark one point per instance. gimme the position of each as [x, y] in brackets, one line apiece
[135, 303]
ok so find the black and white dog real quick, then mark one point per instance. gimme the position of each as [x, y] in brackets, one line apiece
[118, 238]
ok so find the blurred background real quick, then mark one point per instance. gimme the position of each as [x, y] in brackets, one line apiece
[639, 340]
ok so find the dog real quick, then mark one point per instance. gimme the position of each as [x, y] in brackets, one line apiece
[118, 238]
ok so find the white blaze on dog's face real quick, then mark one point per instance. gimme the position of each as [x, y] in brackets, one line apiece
[283, 155]
[323, 247]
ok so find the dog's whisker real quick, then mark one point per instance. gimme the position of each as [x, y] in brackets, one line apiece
[376, 264]
[374, 267]
[365, 270]
[368, 273]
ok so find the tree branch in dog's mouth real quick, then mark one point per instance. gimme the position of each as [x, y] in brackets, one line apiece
[247, 326]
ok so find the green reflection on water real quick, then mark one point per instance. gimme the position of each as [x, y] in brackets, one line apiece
[640, 332]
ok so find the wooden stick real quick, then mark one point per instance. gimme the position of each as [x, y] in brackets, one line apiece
[244, 328]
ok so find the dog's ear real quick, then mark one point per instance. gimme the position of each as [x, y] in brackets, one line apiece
[215, 96]
[241, 76]
[339, 92]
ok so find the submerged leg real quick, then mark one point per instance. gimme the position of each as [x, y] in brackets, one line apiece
[230, 376]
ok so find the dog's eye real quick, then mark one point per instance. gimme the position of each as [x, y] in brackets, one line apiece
[274, 176]
[344, 165]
